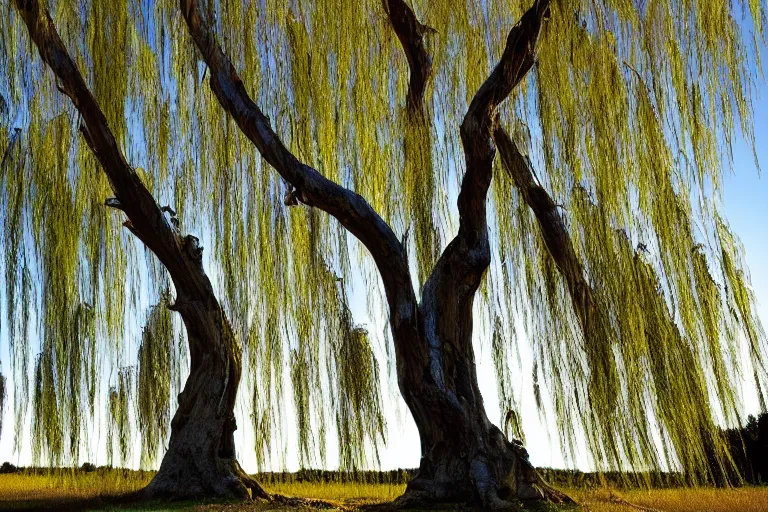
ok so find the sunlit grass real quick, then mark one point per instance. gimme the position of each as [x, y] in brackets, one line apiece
[350, 493]
[20, 491]
[746, 499]
[25, 491]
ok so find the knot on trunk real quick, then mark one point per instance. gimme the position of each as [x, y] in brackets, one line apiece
[192, 247]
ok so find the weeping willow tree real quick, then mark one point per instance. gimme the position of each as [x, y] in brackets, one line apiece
[601, 235]
[90, 279]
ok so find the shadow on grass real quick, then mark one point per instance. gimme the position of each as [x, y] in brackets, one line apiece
[530, 507]
[132, 502]
[62, 504]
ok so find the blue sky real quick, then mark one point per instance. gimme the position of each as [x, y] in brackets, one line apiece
[746, 201]
[745, 196]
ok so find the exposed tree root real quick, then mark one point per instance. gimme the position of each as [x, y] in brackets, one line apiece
[294, 501]
[621, 501]
[225, 480]
[531, 489]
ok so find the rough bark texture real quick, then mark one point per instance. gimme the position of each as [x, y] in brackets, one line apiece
[201, 457]
[464, 457]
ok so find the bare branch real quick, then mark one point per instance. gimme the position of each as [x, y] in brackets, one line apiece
[460, 269]
[411, 32]
[311, 187]
[146, 220]
[167, 209]
[471, 249]
[553, 229]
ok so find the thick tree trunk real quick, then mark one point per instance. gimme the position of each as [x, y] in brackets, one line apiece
[465, 458]
[201, 460]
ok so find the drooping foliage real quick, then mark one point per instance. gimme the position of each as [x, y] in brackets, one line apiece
[631, 113]
[158, 362]
[118, 417]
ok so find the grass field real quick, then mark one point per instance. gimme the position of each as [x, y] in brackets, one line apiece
[97, 491]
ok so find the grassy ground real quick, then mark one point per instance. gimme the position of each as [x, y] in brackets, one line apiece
[97, 491]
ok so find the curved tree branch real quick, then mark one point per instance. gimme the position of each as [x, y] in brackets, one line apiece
[417, 153]
[470, 250]
[145, 217]
[411, 32]
[448, 294]
[312, 188]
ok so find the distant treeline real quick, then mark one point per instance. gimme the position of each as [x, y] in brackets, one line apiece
[7, 468]
[557, 477]
[748, 446]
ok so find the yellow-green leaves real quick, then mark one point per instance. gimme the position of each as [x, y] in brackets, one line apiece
[632, 109]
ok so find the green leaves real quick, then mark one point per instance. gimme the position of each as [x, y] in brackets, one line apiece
[631, 110]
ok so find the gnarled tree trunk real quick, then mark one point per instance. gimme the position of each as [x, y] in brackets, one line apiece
[200, 461]
[465, 458]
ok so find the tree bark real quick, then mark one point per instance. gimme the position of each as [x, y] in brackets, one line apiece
[201, 460]
[465, 458]
[553, 229]
[411, 32]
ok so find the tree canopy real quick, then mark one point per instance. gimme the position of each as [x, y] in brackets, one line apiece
[625, 124]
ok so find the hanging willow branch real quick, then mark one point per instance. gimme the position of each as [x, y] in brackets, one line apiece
[312, 188]
[630, 106]
[552, 225]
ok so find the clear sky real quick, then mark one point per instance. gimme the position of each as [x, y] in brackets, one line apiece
[746, 202]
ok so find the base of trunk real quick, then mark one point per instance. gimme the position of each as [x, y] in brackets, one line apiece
[193, 479]
[488, 471]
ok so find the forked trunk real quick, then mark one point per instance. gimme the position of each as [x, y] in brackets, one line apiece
[201, 460]
[464, 457]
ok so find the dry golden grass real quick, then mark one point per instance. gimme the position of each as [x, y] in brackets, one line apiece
[97, 491]
[84, 485]
[345, 493]
[746, 499]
